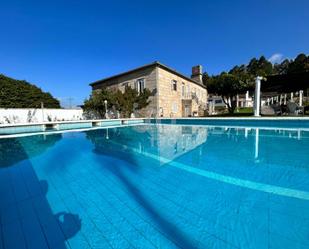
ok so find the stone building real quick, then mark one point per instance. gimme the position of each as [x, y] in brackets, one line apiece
[173, 94]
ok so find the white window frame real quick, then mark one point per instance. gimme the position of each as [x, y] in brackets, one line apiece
[138, 85]
[174, 83]
[183, 89]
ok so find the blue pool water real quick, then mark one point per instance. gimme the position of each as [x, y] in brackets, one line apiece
[156, 186]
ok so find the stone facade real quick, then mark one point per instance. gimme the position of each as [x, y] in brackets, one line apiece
[174, 95]
[182, 101]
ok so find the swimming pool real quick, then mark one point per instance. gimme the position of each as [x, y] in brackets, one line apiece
[156, 186]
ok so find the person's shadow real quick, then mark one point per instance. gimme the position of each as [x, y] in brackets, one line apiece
[27, 219]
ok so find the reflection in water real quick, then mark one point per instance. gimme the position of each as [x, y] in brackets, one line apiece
[14, 150]
[27, 218]
[256, 154]
[185, 184]
[164, 140]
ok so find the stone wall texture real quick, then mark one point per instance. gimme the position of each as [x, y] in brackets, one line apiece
[187, 100]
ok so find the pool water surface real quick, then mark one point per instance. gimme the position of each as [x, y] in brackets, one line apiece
[156, 186]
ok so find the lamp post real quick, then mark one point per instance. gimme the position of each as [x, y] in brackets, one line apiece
[105, 104]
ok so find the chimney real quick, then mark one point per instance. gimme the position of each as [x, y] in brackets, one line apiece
[197, 74]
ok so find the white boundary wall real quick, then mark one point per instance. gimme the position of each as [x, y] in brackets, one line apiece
[36, 115]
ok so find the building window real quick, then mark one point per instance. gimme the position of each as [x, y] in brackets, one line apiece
[174, 85]
[140, 85]
[174, 107]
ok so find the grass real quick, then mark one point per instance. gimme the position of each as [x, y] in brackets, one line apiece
[242, 112]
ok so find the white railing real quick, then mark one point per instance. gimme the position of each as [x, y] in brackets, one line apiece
[186, 95]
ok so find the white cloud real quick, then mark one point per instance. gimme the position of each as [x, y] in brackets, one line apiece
[276, 58]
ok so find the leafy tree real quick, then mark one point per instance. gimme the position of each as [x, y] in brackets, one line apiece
[205, 78]
[260, 67]
[283, 67]
[227, 86]
[21, 94]
[241, 78]
[299, 65]
[95, 106]
[124, 102]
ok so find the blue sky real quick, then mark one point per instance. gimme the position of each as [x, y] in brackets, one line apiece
[61, 46]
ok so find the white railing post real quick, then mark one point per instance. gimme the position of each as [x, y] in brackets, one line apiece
[301, 97]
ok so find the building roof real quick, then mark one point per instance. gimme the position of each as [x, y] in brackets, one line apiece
[154, 64]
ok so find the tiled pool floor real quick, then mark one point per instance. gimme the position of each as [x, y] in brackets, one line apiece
[153, 187]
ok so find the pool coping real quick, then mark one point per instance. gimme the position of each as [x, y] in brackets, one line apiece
[68, 122]
[161, 118]
[55, 126]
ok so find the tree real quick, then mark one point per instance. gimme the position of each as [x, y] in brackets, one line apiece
[124, 102]
[260, 67]
[21, 94]
[95, 106]
[205, 78]
[227, 86]
[282, 68]
[299, 65]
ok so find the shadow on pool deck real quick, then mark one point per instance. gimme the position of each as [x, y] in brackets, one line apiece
[172, 231]
[27, 220]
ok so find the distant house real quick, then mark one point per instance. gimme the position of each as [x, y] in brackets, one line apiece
[173, 94]
[215, 102]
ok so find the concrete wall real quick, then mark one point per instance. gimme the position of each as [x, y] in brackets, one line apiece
[32, 115]
[170, 101]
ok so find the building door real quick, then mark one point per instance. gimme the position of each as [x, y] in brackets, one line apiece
[187, 111]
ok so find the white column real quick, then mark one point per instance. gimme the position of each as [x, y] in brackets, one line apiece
[301, 97]
[280, 99]
[272, 100]
[268, 101]
[292, 97]
[257, 97]
[237, 105]
[284, 99]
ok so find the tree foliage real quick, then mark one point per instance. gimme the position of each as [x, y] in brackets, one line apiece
[124, 102]
[228, 85]
[299, 65]
[241, 78]
[260, 67]
[21, 94]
